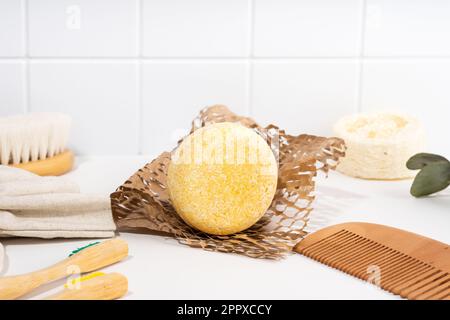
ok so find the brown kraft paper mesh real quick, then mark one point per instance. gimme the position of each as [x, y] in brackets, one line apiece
[142, 202]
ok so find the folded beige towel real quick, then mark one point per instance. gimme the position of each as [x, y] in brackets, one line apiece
[46, 185]
[66, 202]
[50, 207]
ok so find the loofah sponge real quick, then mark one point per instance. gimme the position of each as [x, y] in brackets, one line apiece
[379, 145]
[222, 178]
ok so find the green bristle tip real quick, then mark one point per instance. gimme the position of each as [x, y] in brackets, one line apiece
[82, 248]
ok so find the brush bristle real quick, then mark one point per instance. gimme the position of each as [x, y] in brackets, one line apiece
[32, 137]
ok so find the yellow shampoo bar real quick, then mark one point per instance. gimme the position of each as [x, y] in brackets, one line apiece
[222, 178]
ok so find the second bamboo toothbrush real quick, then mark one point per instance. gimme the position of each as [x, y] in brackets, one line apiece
[89, 259]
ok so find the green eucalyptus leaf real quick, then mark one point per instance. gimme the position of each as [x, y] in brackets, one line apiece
[432, 178]
[420, 160]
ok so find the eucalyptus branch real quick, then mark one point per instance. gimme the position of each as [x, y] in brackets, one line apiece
[434, 173]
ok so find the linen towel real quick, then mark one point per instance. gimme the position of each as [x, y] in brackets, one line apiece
[50, 207]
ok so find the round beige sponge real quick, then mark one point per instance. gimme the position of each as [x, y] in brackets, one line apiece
[222, 178]
[379, 145]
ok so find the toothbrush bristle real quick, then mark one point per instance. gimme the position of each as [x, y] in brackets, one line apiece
[32, 137]
[82, 248]
[71, 282]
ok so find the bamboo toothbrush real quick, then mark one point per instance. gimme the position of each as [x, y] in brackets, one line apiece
[86, 259]
[36, 142]
[94, 286]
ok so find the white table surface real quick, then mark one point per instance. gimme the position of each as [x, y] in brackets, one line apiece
[160, 268]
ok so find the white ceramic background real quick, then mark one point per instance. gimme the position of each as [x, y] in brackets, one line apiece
[132, 73]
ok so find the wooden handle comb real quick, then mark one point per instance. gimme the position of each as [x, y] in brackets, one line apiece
[92, 258]
[410, 265]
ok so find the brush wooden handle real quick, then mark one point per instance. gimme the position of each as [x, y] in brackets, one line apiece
[107, 287]
[53, 166]
[87, 260]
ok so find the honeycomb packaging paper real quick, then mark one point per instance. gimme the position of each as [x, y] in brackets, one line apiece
[143, 203]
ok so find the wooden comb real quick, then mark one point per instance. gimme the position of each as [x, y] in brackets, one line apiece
[410, 265]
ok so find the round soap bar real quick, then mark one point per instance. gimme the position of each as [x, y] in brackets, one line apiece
[379, 145]
[222, 178]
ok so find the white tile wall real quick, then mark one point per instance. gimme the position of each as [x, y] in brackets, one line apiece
[407, 28]
[133, 73]
[306, 96]
[12, 87]
[100, 96]
[83, 28]
[307, 28]
[12, 25]
[174, 92]
[196, 28]
[417, 87]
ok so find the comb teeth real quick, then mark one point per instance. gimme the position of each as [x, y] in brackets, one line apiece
[398, 273]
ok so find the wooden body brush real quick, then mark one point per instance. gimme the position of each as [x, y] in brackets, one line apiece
[87, 259]
[36, 142]
[404, 263]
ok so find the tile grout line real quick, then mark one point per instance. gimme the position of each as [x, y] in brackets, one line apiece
[361, 57]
